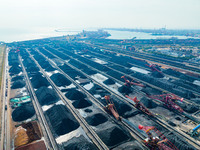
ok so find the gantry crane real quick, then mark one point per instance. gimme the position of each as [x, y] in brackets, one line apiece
[156, 139]
[140, 105]
[154, 68]
[110, 107]
[130, 83]
[168, 100]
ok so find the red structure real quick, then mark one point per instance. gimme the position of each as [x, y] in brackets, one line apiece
[139, 105]
[154, 68]
[168, 99]
[130, 83]
[110, 107]
[156, 139]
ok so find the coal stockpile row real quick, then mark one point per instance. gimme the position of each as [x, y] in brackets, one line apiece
[14, 70]
[151, 91]
[125, 90]
[157, 74]
[123, 108]
[89, 71]
[189, 108]
[75, 95]
[96, 89]
[187, 85]
[18, 84]
[30, 66]
[38, 81]
[59, 54]
[77, 64]
[125, 61]
[116, 75]
[43, 62]
[23, 112]
[13, 59]
[196, 100]
[17, 78]
[178, 141]
[96, 119]
[148, 102]
[61, 120]
[82, 103]
[109, 82]
[94, 64]
[60, 80]
[71, 72]
[46, 53]
[46, 96]
[122, 69]
[162, 83]
[79, 143]
[113, 135]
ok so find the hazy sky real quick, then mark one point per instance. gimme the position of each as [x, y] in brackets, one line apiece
[22, 14]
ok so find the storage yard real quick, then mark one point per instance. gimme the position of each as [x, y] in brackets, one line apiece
[84, 95]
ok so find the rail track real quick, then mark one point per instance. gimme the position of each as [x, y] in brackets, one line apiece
[158, 121]
[149, 84]
[135, 134]
[88, 130]
[153, 58]
[50, 143]
[197, 93]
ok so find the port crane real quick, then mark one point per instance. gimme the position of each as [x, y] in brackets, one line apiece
[110, 108]
[168, 100]
[154, 68]
[139, 105]
[156, 139]
[130, 83]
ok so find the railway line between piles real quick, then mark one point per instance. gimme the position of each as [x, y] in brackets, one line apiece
[156, 120]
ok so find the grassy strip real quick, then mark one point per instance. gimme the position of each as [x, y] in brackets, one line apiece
[2, 58]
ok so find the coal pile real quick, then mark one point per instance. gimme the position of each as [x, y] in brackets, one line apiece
[17, 78]
[188, 107]
[81, 103]
[60, 80]
[23, 112]
[148, 102]
[171, 123]
[88, 110]
[62, 121]
[132, 145]
[32, 69]
[18, 84]
[96, 119]
[38, 81]
[79, 143]
[15, 70]
[89, 71]
[123, 109]
[116, 75]
[151, 91]
[113, 135]
[46, 96]
[180, 75]
[196, 100]
[96, 89]
[124, 89]
[109, 82]
[157, 74]
[178, 141]
[75, 95]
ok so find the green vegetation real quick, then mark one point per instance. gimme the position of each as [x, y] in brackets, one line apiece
[2, 50]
